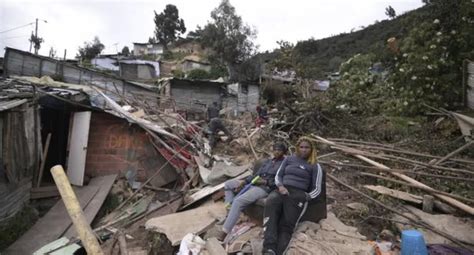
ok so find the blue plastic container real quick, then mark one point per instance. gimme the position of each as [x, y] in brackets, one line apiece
[413, 243]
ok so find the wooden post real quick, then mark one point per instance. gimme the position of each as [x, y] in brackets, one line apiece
[43, 159]
[74, 210]
[428, 202]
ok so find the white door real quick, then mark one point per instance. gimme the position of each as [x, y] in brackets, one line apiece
[76, 162]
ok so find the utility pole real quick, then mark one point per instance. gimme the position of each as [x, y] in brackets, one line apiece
[36, 35]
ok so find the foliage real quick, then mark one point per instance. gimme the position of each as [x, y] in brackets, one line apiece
[198, 74]
[17, 226]
[91, 49]
[168, 25]
[230, 39]
[359, 90]
[178, 73]
[390, 12]
[428, 69]
[125, 51]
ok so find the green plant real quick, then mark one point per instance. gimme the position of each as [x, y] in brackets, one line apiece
[198, 74]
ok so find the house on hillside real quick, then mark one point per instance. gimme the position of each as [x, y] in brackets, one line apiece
[143, 49]
[106, 62]
[192, 97]
[194, 62]
[139, 69]
[189, 47]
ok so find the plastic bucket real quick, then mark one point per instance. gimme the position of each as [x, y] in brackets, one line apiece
[413, 243]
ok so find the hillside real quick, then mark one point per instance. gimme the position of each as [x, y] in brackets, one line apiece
[315, 58]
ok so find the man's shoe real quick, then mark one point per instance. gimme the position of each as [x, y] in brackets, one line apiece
[269, 252]
[221, 235]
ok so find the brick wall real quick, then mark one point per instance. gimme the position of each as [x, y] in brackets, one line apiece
[115, 146]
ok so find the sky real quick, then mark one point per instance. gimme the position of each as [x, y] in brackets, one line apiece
[67, 24]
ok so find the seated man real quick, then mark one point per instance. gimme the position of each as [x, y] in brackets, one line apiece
[260, 185]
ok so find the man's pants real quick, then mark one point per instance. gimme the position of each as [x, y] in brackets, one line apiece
[216, 125]
[239, 203]
[281, 215]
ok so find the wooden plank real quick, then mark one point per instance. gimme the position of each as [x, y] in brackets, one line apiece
[209, 190]
[104, 183]
[78, 147]
[395, 193]
[44, 194]
[51, 226]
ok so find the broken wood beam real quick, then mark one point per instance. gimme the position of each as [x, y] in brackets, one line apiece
[430, 190]
[250, 143]
[400, 151]
[373, 168]
[393, 210]
[75, 212]
[465, 146]
[447, 199]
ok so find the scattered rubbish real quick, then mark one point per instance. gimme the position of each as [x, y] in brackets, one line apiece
[176, 226]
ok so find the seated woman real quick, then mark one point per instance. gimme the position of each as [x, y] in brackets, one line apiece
[263, 182]
[298, 180]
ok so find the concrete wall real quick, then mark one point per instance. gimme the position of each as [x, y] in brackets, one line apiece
[194, 95]
[147, 49]
[26, 64]
[116, 147]
[248, 96]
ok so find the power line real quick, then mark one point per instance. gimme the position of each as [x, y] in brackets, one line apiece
[11, 29]
[11, 37]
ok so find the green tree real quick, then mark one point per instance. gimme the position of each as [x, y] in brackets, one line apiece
[390, 12]
[91, 49]
[125, 51]
[168, 25]
[229, 38]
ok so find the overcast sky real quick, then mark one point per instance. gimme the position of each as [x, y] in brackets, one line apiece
[120, 23]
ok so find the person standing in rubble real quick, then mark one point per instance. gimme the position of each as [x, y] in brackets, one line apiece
[260, 185]
[298, 180]
[215, 124]
[262, 116]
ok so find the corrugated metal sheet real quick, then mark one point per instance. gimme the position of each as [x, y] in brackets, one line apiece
[470, 85]
[6, 105]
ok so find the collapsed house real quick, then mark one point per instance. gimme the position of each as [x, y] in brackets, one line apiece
[82, 131]
[193, 96]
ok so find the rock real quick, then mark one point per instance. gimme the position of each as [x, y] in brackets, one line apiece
[358, 207]
[331, 236]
